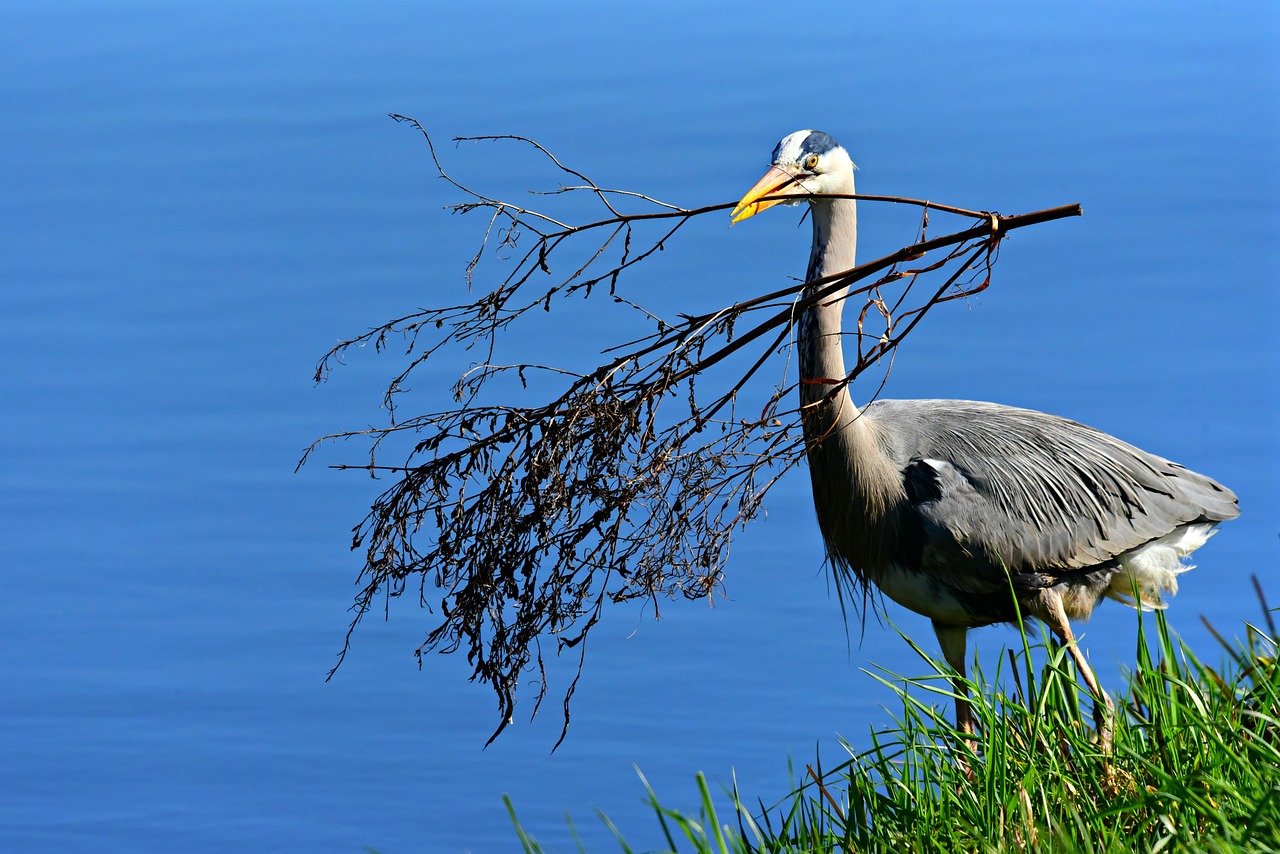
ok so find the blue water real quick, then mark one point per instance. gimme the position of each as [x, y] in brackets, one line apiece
[197, 200]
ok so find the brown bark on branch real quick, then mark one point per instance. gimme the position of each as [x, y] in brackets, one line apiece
[517, 524]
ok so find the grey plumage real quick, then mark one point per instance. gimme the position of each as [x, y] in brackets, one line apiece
[947, 505]
[989, 488]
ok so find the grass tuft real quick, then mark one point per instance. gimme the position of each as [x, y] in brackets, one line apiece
[1195, 766]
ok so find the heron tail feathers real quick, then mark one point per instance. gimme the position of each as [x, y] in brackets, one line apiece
[1150, 572]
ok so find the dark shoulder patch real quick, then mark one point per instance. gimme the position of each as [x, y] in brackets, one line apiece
[921, 482]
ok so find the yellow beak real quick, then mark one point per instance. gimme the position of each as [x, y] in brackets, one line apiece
[776, 182]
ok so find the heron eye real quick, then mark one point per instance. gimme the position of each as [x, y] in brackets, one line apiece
[811, 162]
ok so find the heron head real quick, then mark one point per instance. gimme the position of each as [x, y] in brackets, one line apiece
[804, 163]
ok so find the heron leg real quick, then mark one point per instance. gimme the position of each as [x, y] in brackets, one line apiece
[952, 641]
[1103, 709]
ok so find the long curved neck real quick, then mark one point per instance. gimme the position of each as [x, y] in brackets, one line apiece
[855, 486]
[835, 242]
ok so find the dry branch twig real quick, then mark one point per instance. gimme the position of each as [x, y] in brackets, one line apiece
[517, 524]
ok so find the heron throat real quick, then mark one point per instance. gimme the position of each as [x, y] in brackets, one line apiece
[854, 486]
[835, 241]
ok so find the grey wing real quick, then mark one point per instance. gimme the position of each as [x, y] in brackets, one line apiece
[992, 486]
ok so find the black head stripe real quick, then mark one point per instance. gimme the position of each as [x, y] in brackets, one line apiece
[818, 142]
[794, 148]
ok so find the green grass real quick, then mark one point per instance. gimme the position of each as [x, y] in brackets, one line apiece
[1195, 766]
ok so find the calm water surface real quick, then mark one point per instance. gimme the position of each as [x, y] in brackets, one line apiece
[197, 200]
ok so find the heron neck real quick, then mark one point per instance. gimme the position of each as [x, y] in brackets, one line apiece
[855, 485]
[835, 241]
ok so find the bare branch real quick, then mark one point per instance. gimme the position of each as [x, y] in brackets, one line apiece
[517, 524]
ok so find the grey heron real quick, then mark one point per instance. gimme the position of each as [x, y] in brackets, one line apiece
[972, 513]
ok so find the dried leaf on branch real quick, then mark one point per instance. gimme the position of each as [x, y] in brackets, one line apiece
[517, 524]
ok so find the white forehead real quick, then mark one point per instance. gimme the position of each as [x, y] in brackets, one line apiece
[788, 149]
[796, 146]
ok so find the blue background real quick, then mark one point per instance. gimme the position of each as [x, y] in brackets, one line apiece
[197, 200]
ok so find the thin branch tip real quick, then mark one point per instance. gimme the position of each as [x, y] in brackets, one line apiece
[627, 480]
